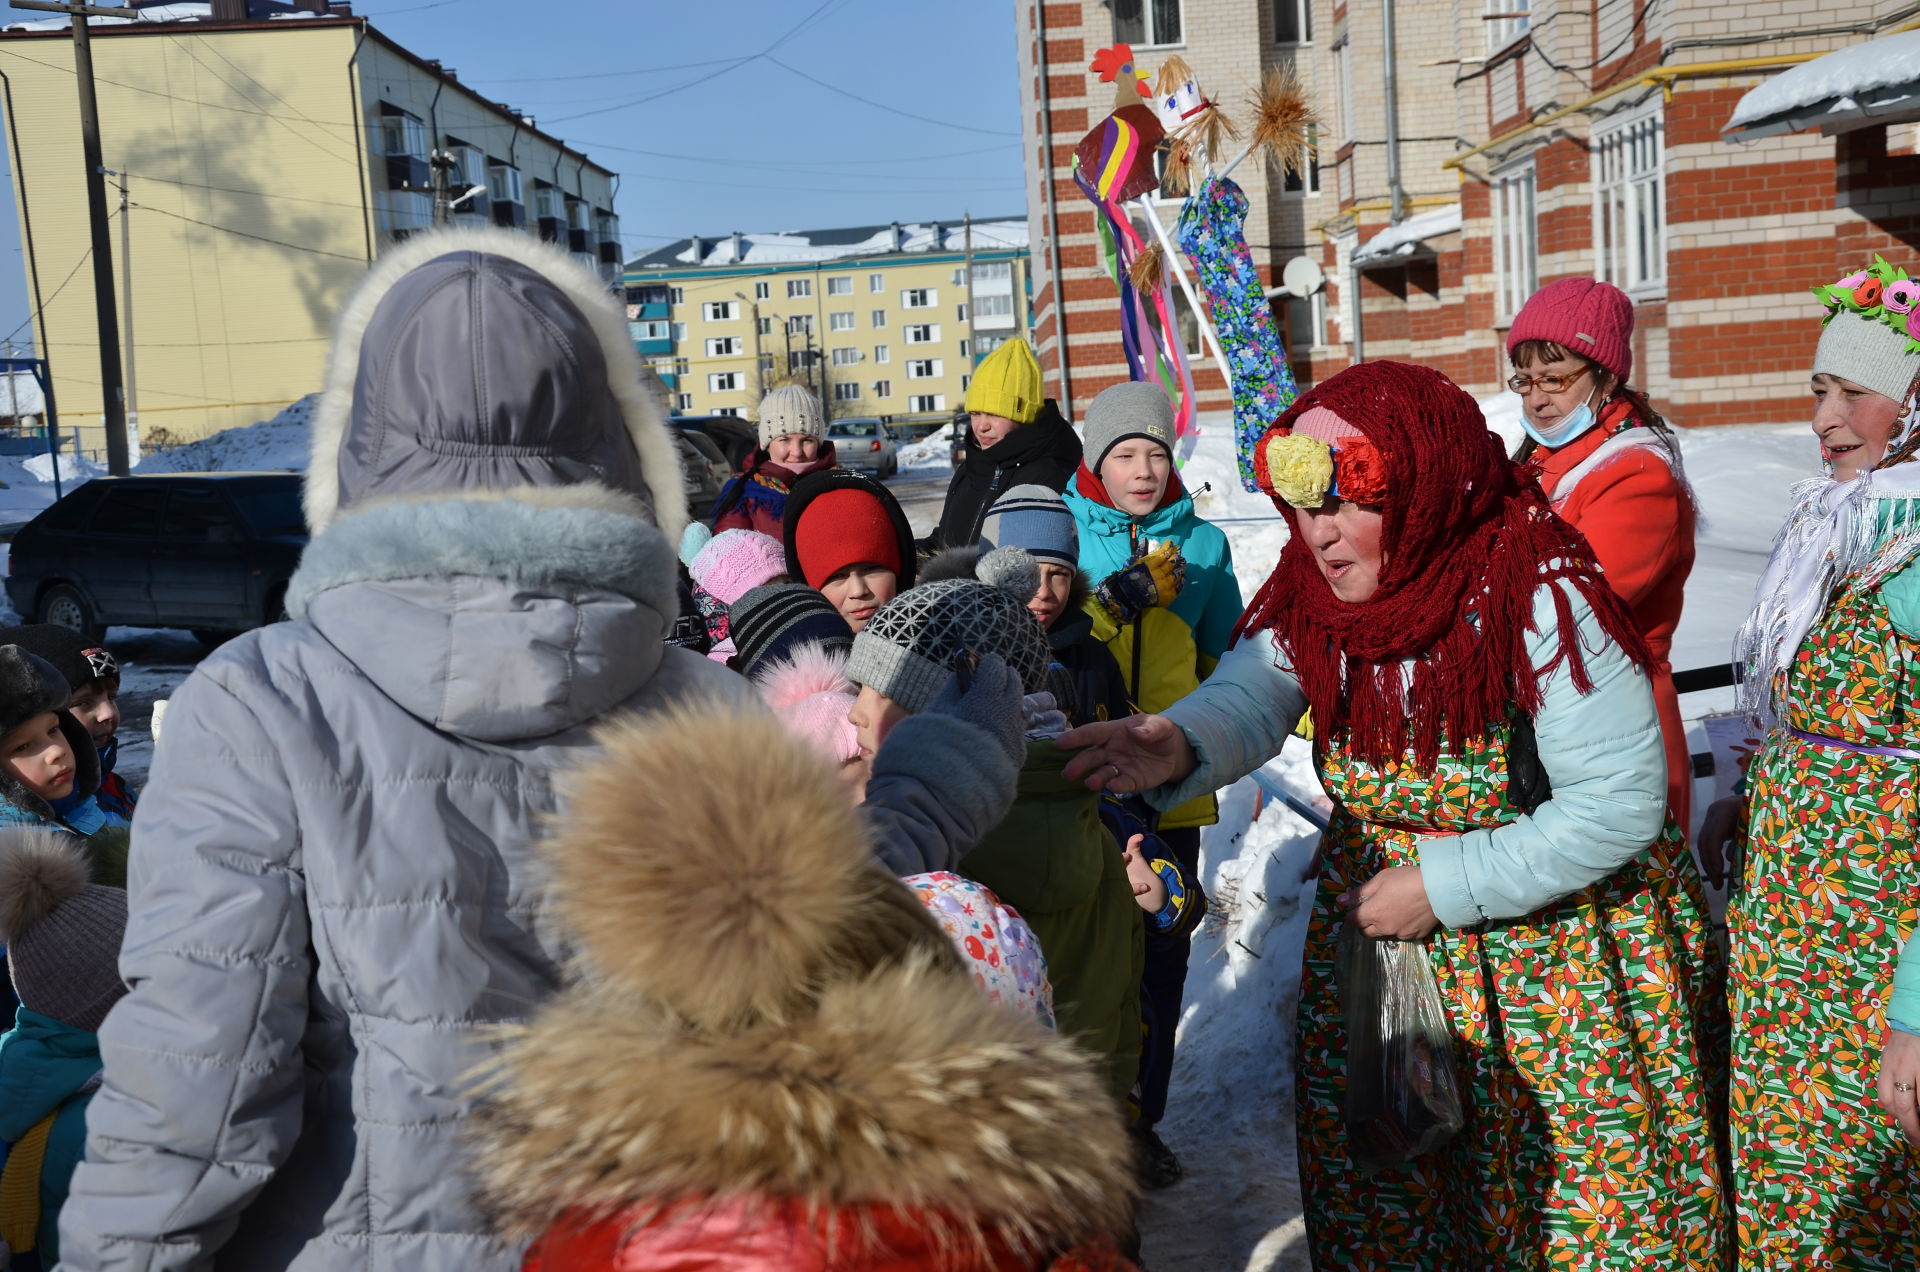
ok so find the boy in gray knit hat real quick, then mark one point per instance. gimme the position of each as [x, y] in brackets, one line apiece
[62, 934]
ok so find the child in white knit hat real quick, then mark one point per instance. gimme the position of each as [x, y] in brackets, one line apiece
[793, 443]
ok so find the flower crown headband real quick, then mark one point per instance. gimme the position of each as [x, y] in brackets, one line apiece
[1300, 471]
[1880, 293]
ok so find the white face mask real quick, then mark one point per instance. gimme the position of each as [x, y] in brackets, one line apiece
[1563, 430]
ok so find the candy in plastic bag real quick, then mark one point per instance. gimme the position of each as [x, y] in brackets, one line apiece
[1403, 1093]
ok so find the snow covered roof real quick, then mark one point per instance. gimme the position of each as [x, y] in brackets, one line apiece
[802, 247]
[1397, 242]
[20, 394]
[1873, 82]
[187, 11]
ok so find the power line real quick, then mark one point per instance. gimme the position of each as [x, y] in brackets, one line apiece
[84, 258]
[777, 166]
[276, 117]
[638, 70]
[892, 110]
[258, 194]
[261, 238]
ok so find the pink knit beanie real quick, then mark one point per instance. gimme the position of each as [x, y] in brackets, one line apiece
[811, 694]
[1583, 316]
[734, 562]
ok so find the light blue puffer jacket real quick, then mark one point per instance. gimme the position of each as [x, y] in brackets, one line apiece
[1602, 751]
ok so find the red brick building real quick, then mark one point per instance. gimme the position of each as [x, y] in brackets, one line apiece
[1501, 146]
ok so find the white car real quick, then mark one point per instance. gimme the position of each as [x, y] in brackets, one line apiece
[865, 443]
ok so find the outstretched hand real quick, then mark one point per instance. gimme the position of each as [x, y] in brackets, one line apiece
[1134, 754]
[1899, 1084]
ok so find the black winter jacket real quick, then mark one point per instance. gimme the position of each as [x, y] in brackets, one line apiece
[1084, 678]
[1043, 453]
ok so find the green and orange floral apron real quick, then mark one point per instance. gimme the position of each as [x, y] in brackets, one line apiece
[1826, 899]
[1589, 1037]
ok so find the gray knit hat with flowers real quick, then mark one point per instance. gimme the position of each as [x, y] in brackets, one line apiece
[913, 645]
[62, 931]
[1869, 353]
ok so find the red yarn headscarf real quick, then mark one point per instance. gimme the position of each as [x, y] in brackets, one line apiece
[1464, 534]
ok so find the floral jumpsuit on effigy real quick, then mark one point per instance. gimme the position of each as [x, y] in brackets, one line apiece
[1823, 1177]
[1588, 1036]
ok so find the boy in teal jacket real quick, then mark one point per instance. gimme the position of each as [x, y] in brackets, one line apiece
[62, 933]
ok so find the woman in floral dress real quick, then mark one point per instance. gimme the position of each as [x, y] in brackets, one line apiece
[1488, 732]
[1827, 894]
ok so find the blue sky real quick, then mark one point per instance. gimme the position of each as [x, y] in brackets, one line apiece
[732, 138]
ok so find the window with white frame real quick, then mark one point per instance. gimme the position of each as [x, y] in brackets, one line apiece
[879, 317]
[840, 320]
[676, 295]
[683, 401]
[845, 357]
[960, 277]
[960, 311]
[876, 283]
[846, 390]
[923, 369]
[727, 410]
[923, 333]
[992, 272]
[1506, 21]
[965, 380]
[883, 388]
[726, 347]
[1516, 268]
[800, 325]
[766, 326]
[1305, 183]
[927, 402]
[762, 291]
[723, 381]
[1343, 72]
[1147, 23]
[1306, 322]
[840, 285]
[798, 287]
[504, 184]
[401, 133]
[679, 331]
[919, 298]
[963, 353]
[992, 306]
[651, 329]
[720, 310]
[984, 345]
[879, 353]
[1293, 21]
[1629, 200]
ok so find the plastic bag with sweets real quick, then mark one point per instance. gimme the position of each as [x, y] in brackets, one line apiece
[1403, 1093]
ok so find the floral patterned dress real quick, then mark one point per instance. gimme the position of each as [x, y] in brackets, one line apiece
[1588, 1039]
[1826, 900]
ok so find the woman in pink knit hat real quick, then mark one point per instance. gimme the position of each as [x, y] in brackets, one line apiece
[1611, 466]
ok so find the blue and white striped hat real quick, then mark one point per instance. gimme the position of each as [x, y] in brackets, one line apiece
[1034, 519]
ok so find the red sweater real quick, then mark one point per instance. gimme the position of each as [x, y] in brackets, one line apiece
[1639, 517]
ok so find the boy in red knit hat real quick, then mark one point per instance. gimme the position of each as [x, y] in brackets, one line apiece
[848, 538]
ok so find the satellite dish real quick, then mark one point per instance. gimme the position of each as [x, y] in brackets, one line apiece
[1303, 276]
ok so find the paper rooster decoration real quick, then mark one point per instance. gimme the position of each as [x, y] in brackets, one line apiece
[1113, 166]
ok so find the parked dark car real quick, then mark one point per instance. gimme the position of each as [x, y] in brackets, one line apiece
[703, 470]
[736, 438]
[211, 552]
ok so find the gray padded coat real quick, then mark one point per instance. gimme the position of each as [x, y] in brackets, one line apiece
[333, 881]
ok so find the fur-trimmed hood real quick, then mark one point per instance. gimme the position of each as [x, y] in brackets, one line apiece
[767, 1016]
[483, 359]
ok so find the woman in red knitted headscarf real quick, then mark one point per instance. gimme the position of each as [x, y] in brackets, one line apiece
[1485, 724]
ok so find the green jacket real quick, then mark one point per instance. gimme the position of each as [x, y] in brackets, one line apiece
[44, 1065]
[1054, 862]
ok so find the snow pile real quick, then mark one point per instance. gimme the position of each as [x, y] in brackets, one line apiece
[935, 450]
[74, 468]
[1405, 238]
[1870, 78]
[276, 445]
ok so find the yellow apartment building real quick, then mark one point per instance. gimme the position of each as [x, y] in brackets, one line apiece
[269, 151]
[883, 320]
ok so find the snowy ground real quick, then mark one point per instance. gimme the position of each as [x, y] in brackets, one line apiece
[1231, 1112]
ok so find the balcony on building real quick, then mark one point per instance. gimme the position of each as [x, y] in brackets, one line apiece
[468, 169]
[506, 194]
[549, 211]
[580, 228]
[403, 140]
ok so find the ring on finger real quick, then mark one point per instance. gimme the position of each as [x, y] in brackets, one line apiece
[1116, 771]
[1903, 1086]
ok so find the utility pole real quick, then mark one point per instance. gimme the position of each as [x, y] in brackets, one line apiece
[113, 406]
[442, 163]
[126, 312]
[973, 358]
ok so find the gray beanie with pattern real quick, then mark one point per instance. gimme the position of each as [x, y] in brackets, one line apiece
[911, 648]
[62, 931]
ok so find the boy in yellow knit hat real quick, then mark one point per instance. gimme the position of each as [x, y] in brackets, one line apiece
[1016, 437]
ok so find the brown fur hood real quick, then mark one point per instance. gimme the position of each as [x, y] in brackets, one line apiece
[765, 1013]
